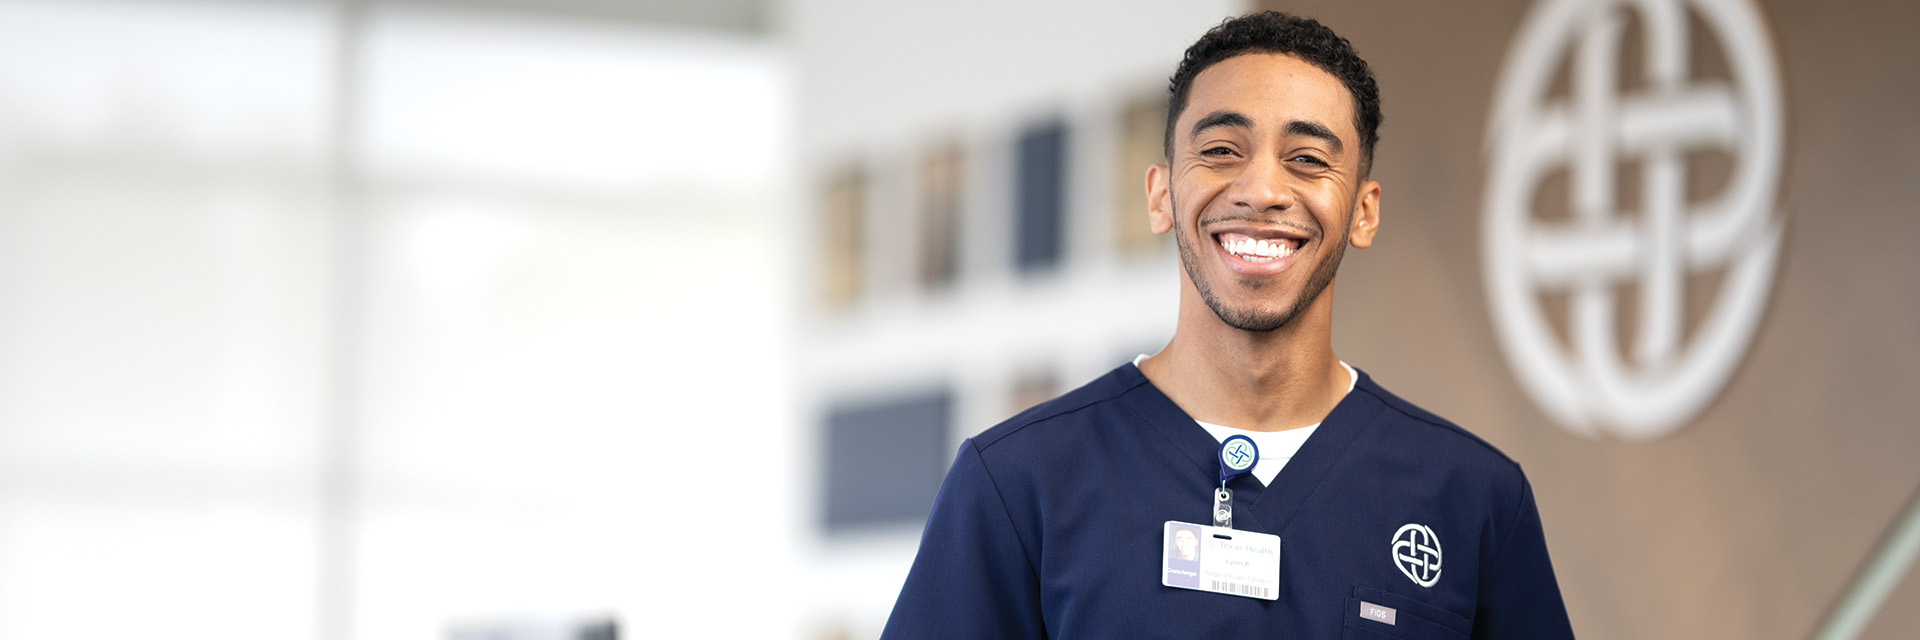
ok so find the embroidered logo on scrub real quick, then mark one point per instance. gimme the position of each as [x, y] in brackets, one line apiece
[1417, 552]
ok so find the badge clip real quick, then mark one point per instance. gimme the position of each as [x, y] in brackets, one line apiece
[1237, 455]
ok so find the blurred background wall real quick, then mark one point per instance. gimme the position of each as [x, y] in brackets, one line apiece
[592, 318]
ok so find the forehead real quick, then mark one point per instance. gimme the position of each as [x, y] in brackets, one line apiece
[1271, 89]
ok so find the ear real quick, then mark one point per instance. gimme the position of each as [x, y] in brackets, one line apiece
[1366, 216]
[1159, 199]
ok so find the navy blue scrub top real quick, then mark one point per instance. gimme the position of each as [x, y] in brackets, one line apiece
[1049, 525]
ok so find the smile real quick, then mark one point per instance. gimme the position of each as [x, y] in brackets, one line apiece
[1255, 249]
[1254, 253]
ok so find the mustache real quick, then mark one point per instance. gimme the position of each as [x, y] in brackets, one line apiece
[1312, 231]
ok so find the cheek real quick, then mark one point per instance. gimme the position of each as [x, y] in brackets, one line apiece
[1190, 201]
[1331, 211]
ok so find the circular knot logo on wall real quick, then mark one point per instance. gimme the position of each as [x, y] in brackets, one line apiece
[1417, 552]
[1629, 232]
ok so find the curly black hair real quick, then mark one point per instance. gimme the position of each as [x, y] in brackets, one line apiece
[1303, 38]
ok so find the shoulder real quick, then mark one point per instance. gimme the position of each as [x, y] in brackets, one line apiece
[1469, 473]
[1448, 442]
[1075, 444]
[1072, 414]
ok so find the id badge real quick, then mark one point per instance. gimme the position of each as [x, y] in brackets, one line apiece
[1234, 562]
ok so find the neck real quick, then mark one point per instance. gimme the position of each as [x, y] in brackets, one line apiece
[1276, 380]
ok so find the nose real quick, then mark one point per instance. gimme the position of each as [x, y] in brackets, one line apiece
[1263, 186]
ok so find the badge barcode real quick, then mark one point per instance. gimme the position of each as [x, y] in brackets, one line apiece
[1242, 589]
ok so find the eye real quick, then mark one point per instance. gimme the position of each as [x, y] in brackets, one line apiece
[1309, 159]
[1216, 151]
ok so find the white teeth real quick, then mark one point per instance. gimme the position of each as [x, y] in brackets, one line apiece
[1254, 247]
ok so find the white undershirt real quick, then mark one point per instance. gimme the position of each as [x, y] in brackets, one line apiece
[1276, 447]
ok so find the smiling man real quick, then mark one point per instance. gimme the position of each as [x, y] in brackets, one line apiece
[1363, 516]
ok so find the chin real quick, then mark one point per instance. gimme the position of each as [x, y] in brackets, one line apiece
[1254, 319]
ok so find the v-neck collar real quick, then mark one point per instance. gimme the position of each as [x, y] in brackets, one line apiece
[1266, 508]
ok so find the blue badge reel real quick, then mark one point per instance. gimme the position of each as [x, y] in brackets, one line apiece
[1237, 456]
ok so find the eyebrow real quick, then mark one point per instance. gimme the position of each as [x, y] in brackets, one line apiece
[1221, 118]
[1224, 118]
[1316, 130]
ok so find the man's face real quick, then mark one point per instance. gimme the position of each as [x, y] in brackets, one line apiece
[1263, 190]
[1188, 545]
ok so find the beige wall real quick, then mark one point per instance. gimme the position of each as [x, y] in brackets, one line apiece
[1753, 519]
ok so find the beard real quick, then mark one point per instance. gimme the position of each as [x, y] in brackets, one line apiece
[1253, 318]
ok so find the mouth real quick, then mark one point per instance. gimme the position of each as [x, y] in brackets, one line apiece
[1257, 252]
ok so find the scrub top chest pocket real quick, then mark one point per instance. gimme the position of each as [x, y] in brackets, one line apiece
[1372, 614]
